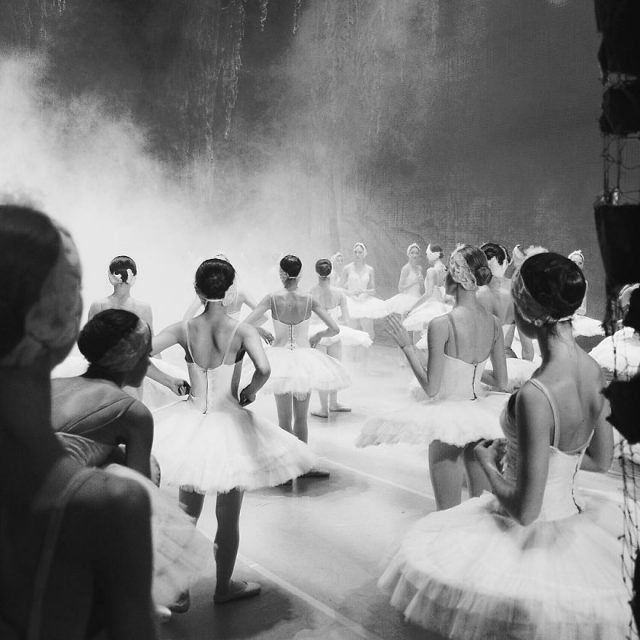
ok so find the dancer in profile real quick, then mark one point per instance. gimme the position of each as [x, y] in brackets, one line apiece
[211, 444]
[75, 544]
[359, 283]
[432, 303]
[296, 367]
[455, 411]
[583, 325]
[410, 285]
[534, 558]
[334, 302]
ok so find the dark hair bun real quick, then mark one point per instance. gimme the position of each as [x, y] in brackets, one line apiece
[323, 267]
[214, 277]
[119, 265]
[104, 331]
[291, 265]
[497, 251]
[483, 275]
[554, 281]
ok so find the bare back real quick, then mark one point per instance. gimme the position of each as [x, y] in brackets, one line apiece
[472, 333]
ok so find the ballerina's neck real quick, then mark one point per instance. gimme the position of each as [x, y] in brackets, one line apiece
[557, 342]
[121, 291]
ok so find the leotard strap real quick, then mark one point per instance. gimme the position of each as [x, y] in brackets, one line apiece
[554, 410]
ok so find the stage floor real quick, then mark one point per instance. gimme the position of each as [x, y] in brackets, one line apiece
[319, 546]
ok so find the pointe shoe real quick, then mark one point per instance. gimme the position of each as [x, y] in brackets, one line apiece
[340, 409]
[319, 413]
[245, 590]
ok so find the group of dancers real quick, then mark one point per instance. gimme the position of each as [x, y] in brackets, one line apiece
[526, 556]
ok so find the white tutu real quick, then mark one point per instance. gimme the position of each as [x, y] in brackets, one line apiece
[419, 319]
[367, 306]
[518, 371]
[588, 327]
[348, 336]
[400, 303]
[302, 370]
[471, 573]
[156, 395]
[180, 552]
[626, 361]
[72, 366]
[226, 449]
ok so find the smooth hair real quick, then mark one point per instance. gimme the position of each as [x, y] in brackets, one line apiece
[291, 265]
[632, 317]
[119, 265]
[29, 248]
[555, 282]
[497, 251]
[478, 263]
[436, 248]
[104, 331]
[214, 277]
[324, 267]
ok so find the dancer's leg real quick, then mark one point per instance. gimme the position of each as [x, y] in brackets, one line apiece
[445, 469]
[284, 407]
[335, 351]
[300, 413]
[191, 502]
[476, 477]
[227, 541]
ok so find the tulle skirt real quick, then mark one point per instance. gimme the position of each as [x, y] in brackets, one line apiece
[348, 337]
[367, 307]
[588, 327]
[518, 372]
[419, 319]
[180, 552]
[457, 422]
[302, 370]
[626, 360]
[401, 303]
[471, 573]
[228, 448]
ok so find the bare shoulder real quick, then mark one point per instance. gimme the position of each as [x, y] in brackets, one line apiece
[439, 326]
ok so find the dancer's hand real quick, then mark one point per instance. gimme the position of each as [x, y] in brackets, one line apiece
[397, 331]
[314, 339]
[246, 396]
[179, 386]
[490, 453]
[265, 335]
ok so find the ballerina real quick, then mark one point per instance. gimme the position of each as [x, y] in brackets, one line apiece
[410, 285]
[496, 299]
[431, 304]
[76, 543]
[456, 411]
[334, 302]
[583, 325]
[296, 367]
[533, 560]
[212, 443]
[358, 281]
[337, 268]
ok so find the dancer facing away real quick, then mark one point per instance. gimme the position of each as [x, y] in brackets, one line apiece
[456, 412]
[534, 559]
[54, 514]
[431, 304]
[583, 325]
[211, 443]
[410, 285]
[359, 283]
[296, 367]
[334, 302]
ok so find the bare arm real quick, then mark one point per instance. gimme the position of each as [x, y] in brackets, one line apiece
[344, 309]
[599, 454]
[371, 288]
[499, 378]
[430, 282]
[259, 310]
[179, 386]
[332, 328]
[138, 424]
[253, 347]
[173, 334]
[404, 275]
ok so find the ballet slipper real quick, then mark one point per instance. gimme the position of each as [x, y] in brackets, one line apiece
[339, 408]
[319, 413]
[246, 590]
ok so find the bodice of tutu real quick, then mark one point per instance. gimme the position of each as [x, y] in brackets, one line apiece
[357, 281]
[413, 283]
[461, 380]
[291, 335]
[559, 499]
[211, 388]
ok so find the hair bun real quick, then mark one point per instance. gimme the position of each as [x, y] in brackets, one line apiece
[483, 275]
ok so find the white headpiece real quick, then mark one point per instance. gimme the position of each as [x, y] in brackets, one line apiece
[432, 256]
[362, 246]
[413, 245]
[460, 271]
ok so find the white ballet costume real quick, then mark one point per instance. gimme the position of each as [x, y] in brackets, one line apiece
[625, 362]
[348, 337]
[462, 411]
[583, 325]
[210, 444]
[432, 307]
[402, 302]
[364, 305]
[474, 573]
[297, 368]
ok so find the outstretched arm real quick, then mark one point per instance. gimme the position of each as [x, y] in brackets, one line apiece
[173, 334]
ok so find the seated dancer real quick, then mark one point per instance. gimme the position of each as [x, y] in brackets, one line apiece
[164, 382]
[92, 416]
[455, 411]
[582, 325]
[358, 281]
[211, 443]
[496, 299]
[534, 559]
[431, 304]
[334, 302]
[410, 285]
[56, 515]
[296, 367]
